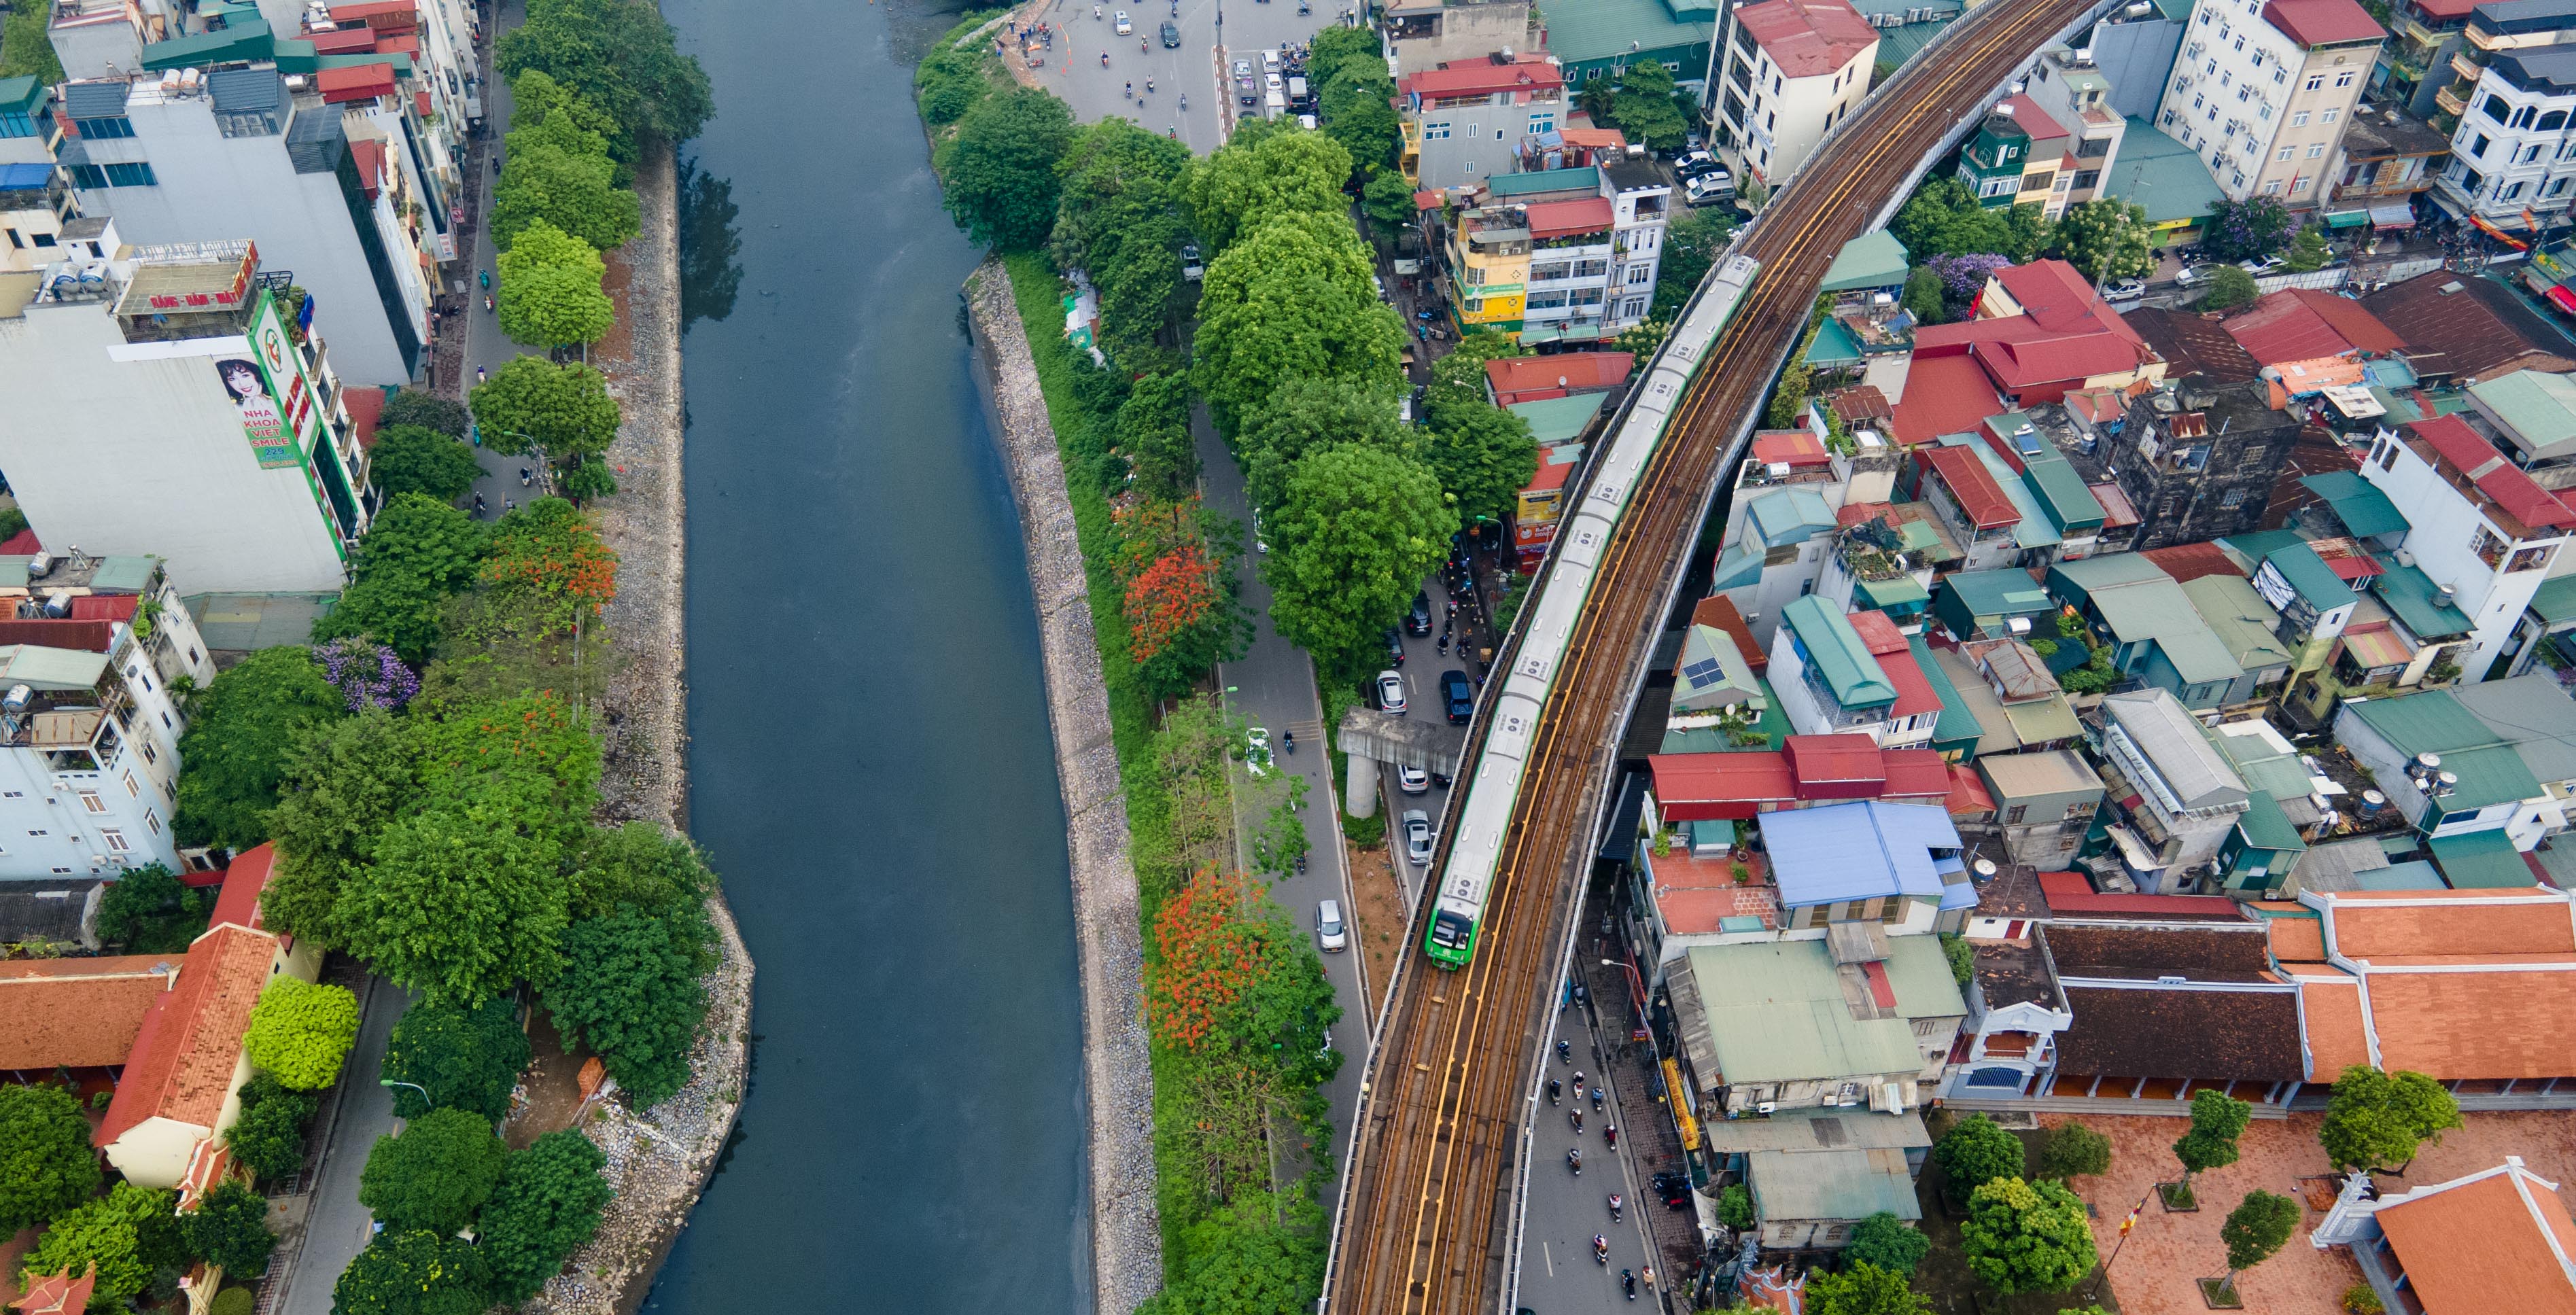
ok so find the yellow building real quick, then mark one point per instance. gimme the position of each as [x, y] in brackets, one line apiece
[1490, 250]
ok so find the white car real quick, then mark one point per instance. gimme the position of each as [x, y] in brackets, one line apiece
[1412, 780]
[1260, 542]
[2123, 290]
[1417, 837]
[1126, 25]
[1709, 188]
[1256, 750]
[1390, 692]
[1243, 68]
[1329, 931]
[2197, 271]
[2259, 268]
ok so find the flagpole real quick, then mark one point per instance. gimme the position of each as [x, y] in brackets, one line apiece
[2125, 1225]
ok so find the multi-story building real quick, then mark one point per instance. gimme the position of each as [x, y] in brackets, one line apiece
[2511, 156]
[1837, 674]
[2018, 157]
[1641, 208]
[1794, 68]
[1565, 255]
[1598, 39]
[2197, 459]
[2493, 29]
[2179, 796]
[89, 732]
[1468, 119]
[1425, 34]
[2263, 95]
[323, 166]
[1489, 261]
[2386, 159]
[2067, 85]
[2415, 64]
[2134, 46]
[2477, 526]
[27, 126]
[167, 403]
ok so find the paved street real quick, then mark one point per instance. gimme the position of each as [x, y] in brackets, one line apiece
[485, 346]
[1558, 1273]
[1244, 27]
[338, 1228]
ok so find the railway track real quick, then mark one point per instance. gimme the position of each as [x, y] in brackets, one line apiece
[1426, 1213]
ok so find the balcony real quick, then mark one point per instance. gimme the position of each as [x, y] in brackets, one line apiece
[2466, 67]
[2451, 101]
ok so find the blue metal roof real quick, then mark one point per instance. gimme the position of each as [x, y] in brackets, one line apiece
[24, 177]
[1858, 851]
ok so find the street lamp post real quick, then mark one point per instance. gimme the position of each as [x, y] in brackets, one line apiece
[390, 1083]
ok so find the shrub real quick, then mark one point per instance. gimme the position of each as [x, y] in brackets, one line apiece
[268, 1138]
[229, 1228]
[1889, 1243]
[234, 1301]
[2074, 1151]
[466, 1058]
[46, 1164]
[546, 1206]
[150, 911]
[300, 1031]
[1735, 1206]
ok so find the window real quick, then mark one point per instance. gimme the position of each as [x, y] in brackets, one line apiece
[91, 801]
[2559, 187]
[87, 175]
[2316, 150]
[2344, 79]
[2316, 82]
[2272, 188]
[16, 125]
[2016, 813]
[2286, 152]
[2510, 192]
[2233, 499]
[115, 839]
[1540, 123]
[130, 175]
[2522, 117]
[2198, 101]
[100, 129]
[2300, 184]
[2330, 116]
[152, 820]
[2479, 147]
[2529, 154]
[1435, 132]
[148, 755]
[2388, 459]
[2553, 121]
[40, 833]
[132, 791]
[1640, 275]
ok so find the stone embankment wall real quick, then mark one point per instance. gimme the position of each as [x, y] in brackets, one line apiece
[659, 1159]
[1126, 1228]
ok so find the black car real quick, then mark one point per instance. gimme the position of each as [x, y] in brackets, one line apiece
[1394, 646]
[1418, 621]
[1171, 36]
[1458, 695]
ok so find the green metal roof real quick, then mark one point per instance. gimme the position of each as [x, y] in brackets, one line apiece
[2140, 602]
[2481, 860]
[61, 670]
[2556, 601]
[1585, 179]
[2264, 769]
[1834, 348]
[1791, 515]
[1776, 1012]
[1773, 725]
[2063, 495]
[2240, 618]
[2249, 550]
[2162, 175]
[1835, 1185]
[2363, 509]
[1958, 724]
[2492, 775]
[1584, 31]
[1875, 259]
[2415, 874]
[244, 39]
[20, 95]
[122, 575]
[2412, 595]
[2001, 593]
[2428, 722]
[1835, 651]
[2539, 407]
[2308, 573]
[1728, 682]
[1898, 592]
[2265, 826]
[2036, 529]
[1559, 419]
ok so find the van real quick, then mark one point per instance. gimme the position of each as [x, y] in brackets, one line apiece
[1275, 105]
[1297, 92]
[1270, 61]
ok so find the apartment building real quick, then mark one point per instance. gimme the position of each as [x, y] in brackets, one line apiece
[2263, 92]
[2478, 527]
[1794, 68]
[1850, 674]
[167, 403]
[1425, 34]
[27, 127]
[1564, 255]
[2076, 94]
[2423, 36]
[2198, 459]
[1468, 119]
[2019, 156]
[2512, 159]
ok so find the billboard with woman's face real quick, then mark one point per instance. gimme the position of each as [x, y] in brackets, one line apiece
[261, 420]
[269, 390]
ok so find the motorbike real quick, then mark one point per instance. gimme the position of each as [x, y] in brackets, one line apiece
[1301, 865]
[1628, 1284]
[1577, 1116]
[1618, 1207]
[1565, 1052]
[1104, 59]
[1601, 1248]
[1185, 100]
[1611, 1131]
[487, 301]
[1574, 1161]
[1287, 739]
[487, 280]
[1596, 1100]
[1554, 1088]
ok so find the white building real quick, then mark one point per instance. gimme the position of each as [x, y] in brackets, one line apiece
[1836, 674]
[89, 734]
[2512, 152]
[325, 179]
[1641, 200]
[163, 404]
[2067, 85]
[1794, 68]
[2264, 91]
[2477, 526]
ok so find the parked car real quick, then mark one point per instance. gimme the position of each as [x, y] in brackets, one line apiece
[1390, 692]
[2124, 290]
[1246, 92]
[1417, 837]
[1191, 268]
[1418, 621]
[1126, 25]
[1395, 646]
[1459, 694]
[1708, 189]
[1171, 36]
[1329, 932]
[2266, 265]
[1256, 750]
[1412, 780]
[1243, 68]
[1696, 163]
[2197, 271]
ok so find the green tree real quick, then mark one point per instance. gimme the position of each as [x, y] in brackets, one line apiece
[1962, 957]
[1293, 300]
[418, 552]
[2245, 230]
[1359, 112]
[1357, 533]
[413, 1272]
[26, 50]
[639, 866]
[536, 98]
[413, 406]
[463, 900]
[2254, 1230]
[2217, 1120]
[1305, 416]
[1260, 177]
[1387, 200]
[2107, 240]
[467, 1059]
[2074, 1151]
[47, 1165]
[1975, 1152]
[551, 291]
[1337, 46]
[1889, 1243]
[535, 404]
[1943, 218]
[239, 732]
[1735, 1207]
[148, 910]
[127, 1234]
[343, 784]
[1459, 377]
[300, 1031]
[618, 55]
[2027, 1237]
[434, 1174]
[2377, 1120]
[546, 1207]
[1484, 456]
[268, 1138]
[2308, 250]
[1864, 1289]
[1237, 1262]
[2230, 288]
[630, 993]
[413, 459]
[229, 1228]
[1648, 108]
[1119, 219]
[1923, 296]
[544, 181]
[952, 78]
[1154, 432]
[999, 171]
[1692, 245]
[1788, 409]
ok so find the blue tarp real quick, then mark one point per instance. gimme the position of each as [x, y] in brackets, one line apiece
[1860, 850]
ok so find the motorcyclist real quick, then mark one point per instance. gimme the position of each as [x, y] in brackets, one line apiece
[1287, 739]
[1553, 1088]
[1131, 88]
[1601, 1248]
[1574, 1161]
[1611, 1131]
[487, 278]
[478, 374]
[1185, 100]
[1628, 1283]
[1596, 1100]
[1104, 59]
[1617, 1204]
[1577, 1116]
[1565, 1052]
[487, 301]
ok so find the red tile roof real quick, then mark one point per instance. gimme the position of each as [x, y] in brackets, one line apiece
[2034, 361]
[1693, 787]
[2052, 292]
[2033, 120]
[77, 1013]
[2460, 985]
[22, 544]
[86, 636]
[2497, 1241]
[2069, 892]
[364, 82]
[1534, 378]
[1483, 76]
[346, 41]
[2303, 324]
[1968, 795]
[2485, 467]
[105, 607]
[2323, 22]
[1878, 633]
[1790, 447]
[1550, 477]
[1808, 38]
[243, 882]
[1971, 485]
[183, 1061]
[59, 1294]
[367, 11]
[1566, 218]
[1604, 139]
[1944, 395]
[1837, 766]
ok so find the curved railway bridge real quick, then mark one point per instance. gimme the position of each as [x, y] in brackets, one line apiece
[1428, 1216]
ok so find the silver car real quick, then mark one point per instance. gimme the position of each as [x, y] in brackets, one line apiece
[1329, 931]
[1412, 780]
[1390, 692]
[1417, 837]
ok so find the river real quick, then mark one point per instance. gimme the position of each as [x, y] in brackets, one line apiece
[871, 765]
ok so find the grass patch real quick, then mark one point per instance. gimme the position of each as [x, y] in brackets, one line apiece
[2220, 1294]
[2178, 1197]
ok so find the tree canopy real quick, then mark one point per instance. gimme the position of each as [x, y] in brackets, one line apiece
[2245, 230]
[239, 733]
[1358, 111]
[417, 554]
[229, 1227]
[1119, 220]
[1483, 455]
[551, 289]
[2255, 1229]
[1648, 108]
[545, 1207]
[1257, 178]
[414, 1272]
[547, 179]
[1304, 416]
[1692, 245]
[2074, 1151]
[2377, 1120]
[463, 900]
[417, 459]
[1358, 531]
[414, 406]
[127, 1234]
[434, 1174]
[1864, 1289]
[300, 1031]
[466, 1059]
[619, 55]
[533, 403]
[2027, 1237]
[1974, 1152]
[2107, 240]
[1295, 299]
[2217, 1120]
[2229, 288]
[268, 1138]
[629, 992]
[1154, 433]
[148, 910]
[1889, 1243]
[47, 1165]
[999, 171]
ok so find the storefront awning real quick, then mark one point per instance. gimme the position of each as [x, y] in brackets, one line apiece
[2396, 214]
[2564, 299]
[2348, 219]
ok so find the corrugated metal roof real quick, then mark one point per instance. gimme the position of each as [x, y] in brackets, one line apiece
[2417, 601]
[1791, 515]
[56, 669]
[1835, 650]
[246, 90]
[2481, 860]
[2363, 509]
[2538, 409]
[2264, 827]
[95, 100]
[1831, 1185]
[2429, 722]
[1776, 1011]
[1555, 420]
[2308, 573]
[2241, 620]
[1862, 850]
[2197, 773]
[1583, 30]
[1958, 723]
[1875, 259]
[1585, 179]
[2063, 495]
[2003, 593]
[241, 39]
